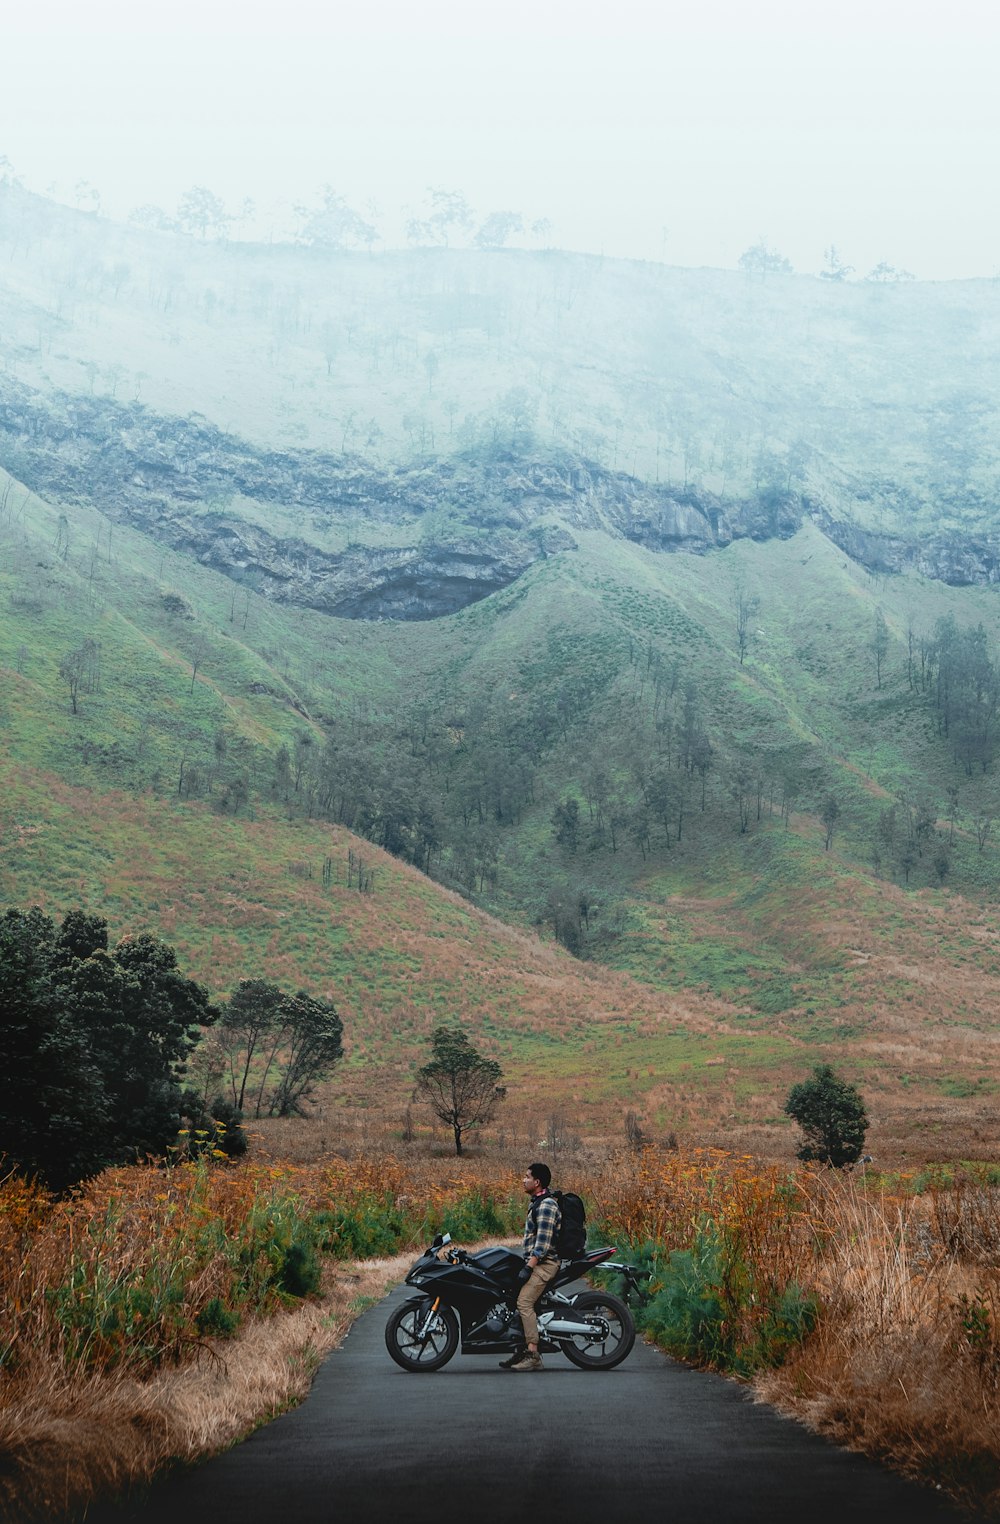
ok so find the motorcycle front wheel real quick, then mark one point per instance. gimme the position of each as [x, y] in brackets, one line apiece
[419, 1338]
[612, 1337]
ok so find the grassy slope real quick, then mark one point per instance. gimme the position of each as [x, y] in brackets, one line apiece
[742, 958]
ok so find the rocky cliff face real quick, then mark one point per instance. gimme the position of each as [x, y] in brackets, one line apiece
[959, 560]
[171, 477]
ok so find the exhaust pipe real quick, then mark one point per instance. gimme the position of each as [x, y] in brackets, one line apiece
[568, 1328]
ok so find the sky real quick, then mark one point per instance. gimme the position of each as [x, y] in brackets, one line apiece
[653, 131]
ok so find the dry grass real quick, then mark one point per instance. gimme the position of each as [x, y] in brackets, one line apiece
[66, 1441]
[108, 1371]
[905, 1361]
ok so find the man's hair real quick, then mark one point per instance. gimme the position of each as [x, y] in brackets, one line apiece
[542, 1174]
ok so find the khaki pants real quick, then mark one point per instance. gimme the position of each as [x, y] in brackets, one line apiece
[530, 1292]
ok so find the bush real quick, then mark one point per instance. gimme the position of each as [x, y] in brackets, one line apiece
[299, 1272]
[367, 1227]
[215, 1130]
[475, 1216]
[705, 1305]
[831, 1115]
[216, 1318]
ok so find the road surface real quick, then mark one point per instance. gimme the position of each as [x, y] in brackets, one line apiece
[651, 1440]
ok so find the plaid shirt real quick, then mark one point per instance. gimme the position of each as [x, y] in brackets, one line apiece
[541, 1227]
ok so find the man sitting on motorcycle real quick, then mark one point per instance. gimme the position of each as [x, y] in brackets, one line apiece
[541, 1261]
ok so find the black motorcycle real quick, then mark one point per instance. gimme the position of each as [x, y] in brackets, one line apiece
[470, 1299]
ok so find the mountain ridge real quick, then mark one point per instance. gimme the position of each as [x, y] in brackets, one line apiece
[175, 477]
[878, 401]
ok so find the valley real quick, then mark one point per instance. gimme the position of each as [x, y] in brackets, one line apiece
[653, 679]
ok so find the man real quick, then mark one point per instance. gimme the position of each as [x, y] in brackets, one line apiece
[541, 1261]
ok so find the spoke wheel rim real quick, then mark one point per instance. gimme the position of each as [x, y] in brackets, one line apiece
[416, 1347]
[609, 1333]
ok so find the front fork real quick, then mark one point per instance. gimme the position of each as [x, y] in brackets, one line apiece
[425, 1330]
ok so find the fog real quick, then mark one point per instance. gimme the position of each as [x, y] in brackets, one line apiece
[633, 133]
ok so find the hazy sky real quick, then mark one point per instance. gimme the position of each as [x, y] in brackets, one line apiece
[656, 131]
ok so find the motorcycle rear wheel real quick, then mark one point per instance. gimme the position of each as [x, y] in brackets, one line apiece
[614, 1332]
[417, 1345]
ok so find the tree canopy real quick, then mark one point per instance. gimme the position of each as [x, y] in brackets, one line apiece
[832, 1117]
[460, 1085]
[276, 1047]
[93, 1044]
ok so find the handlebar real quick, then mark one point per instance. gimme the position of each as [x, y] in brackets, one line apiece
[631, 1275]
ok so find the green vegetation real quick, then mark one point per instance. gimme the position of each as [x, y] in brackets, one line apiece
[94, 1044]
[832, 1117]
[211, 806]
[704, 1305]
[758, 781]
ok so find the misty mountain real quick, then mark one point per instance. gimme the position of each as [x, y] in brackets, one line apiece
[651, 609]
[875, 402]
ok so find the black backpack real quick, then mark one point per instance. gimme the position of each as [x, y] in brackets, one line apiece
[571, 1237]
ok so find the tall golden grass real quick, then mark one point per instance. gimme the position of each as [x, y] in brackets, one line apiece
[904, 1361]
[110, 1368]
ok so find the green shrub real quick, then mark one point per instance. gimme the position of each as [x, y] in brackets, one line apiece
[215, 1318]
[475, 1216]
[706, 1306]
[369, 1227]
[299, 1271]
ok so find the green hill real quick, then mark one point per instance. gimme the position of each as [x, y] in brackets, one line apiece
[749, 785]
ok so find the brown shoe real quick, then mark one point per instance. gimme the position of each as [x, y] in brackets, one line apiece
[529, 1363]
[509, 1364]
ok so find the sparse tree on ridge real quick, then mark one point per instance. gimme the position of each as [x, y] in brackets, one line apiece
[763, 261]
[887, 274]
[829, 815]
[746, 607]
[334, 224]
[79, 670]
[201, 211]
[151, 216]
[496, 229]
[461, 1087]
[449, 212]
[835, 267]
[880, 644]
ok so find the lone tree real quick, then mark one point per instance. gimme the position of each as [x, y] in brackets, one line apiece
[761, 260]
[829, 815]
[831, 1115]
[746, 607]
[461, 1087]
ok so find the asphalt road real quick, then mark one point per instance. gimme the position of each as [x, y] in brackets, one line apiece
[651, 1440]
